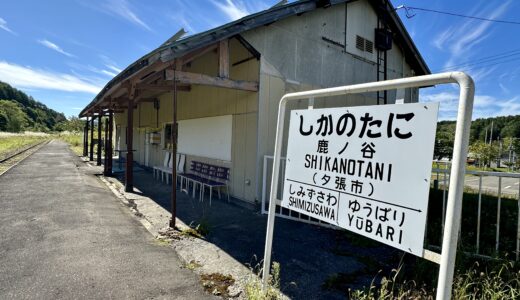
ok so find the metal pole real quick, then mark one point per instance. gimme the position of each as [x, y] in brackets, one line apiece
[100, 124]
[497, 238]
[174, 154]
[479, 211]
[274, 191]
[91, 157]
[458, 171]
[129, 175]
[518, 225]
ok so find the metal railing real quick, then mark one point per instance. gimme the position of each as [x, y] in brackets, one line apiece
[440, 181]
[511, 192]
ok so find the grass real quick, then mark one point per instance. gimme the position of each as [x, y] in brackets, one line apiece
[199, 231]
[192, 265]
[75, 141]
[475, 278]
[254, 289]
[488, 225]
[486, 169]
[10, 144]
[480, 280]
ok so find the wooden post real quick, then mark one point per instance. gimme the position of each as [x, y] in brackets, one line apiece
[223, 59]
[91, 156]
[85, 139]
[105, 165]
[129, 176]
[174, 155]
[100, 124]
[109, 144]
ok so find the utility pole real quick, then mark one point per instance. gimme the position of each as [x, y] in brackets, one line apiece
[491, 134]
[499, 152]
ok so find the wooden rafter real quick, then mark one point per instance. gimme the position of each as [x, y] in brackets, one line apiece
[202, 79]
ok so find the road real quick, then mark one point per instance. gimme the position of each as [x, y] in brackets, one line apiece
[510, 186]
[65, 236]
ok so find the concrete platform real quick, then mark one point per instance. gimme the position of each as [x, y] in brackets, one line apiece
[310, 256]
[65, 236]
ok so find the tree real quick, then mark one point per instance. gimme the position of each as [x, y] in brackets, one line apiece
[444, 139]
[484, 152]
[73, 124]
[12, 117]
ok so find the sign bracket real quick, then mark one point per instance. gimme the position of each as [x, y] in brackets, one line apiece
[446, 259]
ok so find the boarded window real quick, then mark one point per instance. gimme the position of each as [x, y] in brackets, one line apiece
[369, 46]
[360, 43]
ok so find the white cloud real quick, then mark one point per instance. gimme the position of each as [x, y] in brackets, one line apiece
[122, 9]
[484, 106]
[113, 68]
[232, 9]
[3, 25]
[27, 77]
[54, 47]
[460, 38]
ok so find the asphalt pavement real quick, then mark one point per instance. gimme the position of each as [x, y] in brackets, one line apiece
[65, 236]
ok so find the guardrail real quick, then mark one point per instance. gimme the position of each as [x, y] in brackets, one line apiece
[440, 174]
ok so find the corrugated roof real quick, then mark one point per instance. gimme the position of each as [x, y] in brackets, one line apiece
[171, 50]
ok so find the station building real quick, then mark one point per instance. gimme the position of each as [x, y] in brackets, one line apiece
[229, 81]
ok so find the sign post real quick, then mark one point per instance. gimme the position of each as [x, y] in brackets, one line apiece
[367, 169]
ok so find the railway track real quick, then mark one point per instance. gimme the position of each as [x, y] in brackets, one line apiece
[7, 163]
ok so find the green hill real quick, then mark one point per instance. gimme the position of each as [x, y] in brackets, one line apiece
[19, 112]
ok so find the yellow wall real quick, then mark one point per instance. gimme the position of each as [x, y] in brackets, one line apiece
[205, 101]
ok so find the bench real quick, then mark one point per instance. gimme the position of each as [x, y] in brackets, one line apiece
[204, 176]
[161, 170]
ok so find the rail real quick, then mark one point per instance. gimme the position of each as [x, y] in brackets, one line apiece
[21, 151]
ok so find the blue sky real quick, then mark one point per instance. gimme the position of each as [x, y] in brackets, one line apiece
[62, 52]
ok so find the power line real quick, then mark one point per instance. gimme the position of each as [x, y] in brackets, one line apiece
[410, 14]
[492, 64]
[483, 60]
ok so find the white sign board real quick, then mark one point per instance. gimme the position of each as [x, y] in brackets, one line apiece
[207, 137]
[366, 169]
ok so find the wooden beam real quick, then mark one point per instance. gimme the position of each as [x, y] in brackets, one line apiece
[162, 87]
[202, 79]
[223, 59]
[153, 77]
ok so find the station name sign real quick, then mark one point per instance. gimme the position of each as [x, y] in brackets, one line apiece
[366, 169]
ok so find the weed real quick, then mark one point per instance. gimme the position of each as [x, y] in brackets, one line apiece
[254, 289]
[162, 242]
[217, 283]
[192, 265]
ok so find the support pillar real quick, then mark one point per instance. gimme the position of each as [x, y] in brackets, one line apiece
[129, 176]
[100, 124]
[174, 155]
[109, 144]
[105, 164]
[85, 139]
[91, 156]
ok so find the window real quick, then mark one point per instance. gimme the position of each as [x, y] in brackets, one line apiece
[167, 136]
